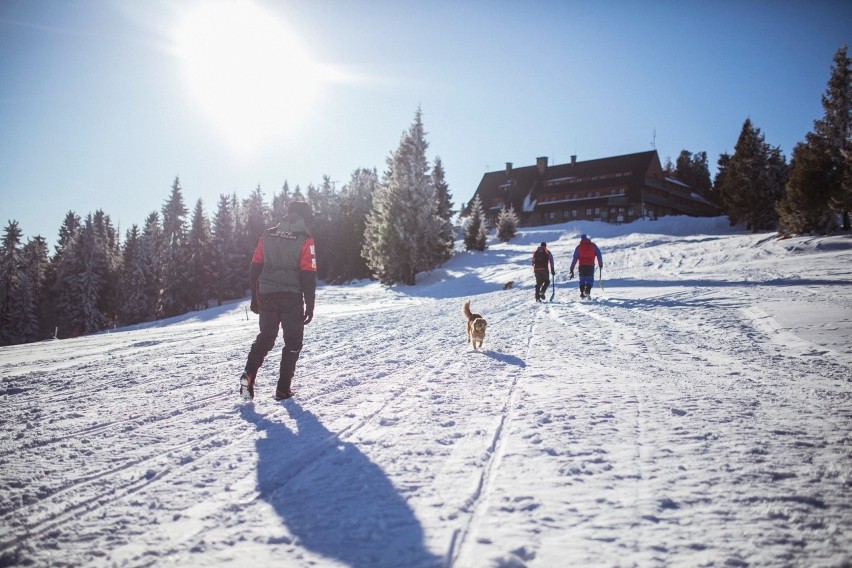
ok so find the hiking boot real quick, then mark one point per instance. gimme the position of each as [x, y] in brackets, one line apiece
[283, 395]
[246, 386]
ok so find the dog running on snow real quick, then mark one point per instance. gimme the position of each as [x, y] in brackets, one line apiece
[476, 325]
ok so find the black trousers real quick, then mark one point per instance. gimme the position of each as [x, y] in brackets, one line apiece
[542, 281]
[287, 310]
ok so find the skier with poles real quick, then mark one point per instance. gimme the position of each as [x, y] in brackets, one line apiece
[586, 253]
[541, 258]
[283, 280]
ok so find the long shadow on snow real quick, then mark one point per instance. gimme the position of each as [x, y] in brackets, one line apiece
[332, 498]
[503, 358]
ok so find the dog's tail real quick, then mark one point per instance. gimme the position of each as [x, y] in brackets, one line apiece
[466, 309]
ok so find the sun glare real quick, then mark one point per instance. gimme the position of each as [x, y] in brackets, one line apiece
[250, 76]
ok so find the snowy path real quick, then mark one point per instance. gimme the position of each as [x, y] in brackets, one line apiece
[685, 419]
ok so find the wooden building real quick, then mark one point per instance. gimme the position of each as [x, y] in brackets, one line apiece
[619, 189]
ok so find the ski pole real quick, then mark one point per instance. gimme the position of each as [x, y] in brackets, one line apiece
[553, 289]
[600, 277]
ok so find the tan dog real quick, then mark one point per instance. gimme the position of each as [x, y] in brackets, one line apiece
[508, 285]
[476, 325]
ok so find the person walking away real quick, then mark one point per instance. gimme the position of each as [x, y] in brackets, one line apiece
[585, 254]
[541, 259]
[283, 284]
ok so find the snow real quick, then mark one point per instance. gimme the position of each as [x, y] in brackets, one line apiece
[696, 412]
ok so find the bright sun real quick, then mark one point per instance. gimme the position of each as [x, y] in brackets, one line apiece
[250, 76]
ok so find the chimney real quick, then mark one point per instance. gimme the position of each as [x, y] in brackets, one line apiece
[573, 158]
[541, 164]
[508, 167]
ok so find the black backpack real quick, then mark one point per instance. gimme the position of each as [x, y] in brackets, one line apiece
[540, 258]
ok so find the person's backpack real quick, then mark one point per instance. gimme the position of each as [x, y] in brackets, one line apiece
[540, 258]
[586, 253]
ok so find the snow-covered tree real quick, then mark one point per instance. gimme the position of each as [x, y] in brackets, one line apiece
[507, 224]
[256, 219]
[83, 279]
[199, 258]
[134, 304]
[152, 245]
[345, 261]
[403, 229]
[18, 323]
[383, 234]
[476, 230]
[174, 254]
[107, 265]
[326, 228]
[37, 267]
[445, 211]
[225, 273]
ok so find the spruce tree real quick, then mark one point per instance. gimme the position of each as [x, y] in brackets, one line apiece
[383, 246]
[325, 204]
[60, 300]
[152, 245]
[692, 169]
[819, 185]
[403, 228]
[475, 230]
[83, 279]
[719, 180]
[134, 301]
[18, 323]
[107, 265]
[223, 243]
[256, 219]
[507, 224]
[239, 256]
[754, 180]
[37, 269]
[199, 258]
[446, 239]
[355, 204]
[86, 288]
[836, 129]
[174, 262]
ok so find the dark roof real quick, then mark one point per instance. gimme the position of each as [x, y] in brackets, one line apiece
[516, 184]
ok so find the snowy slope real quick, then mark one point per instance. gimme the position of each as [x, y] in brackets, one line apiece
[696, 412]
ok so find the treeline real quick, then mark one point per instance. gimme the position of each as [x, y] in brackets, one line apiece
[755, 185]
[388, 227]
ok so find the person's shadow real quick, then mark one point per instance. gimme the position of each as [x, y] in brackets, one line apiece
[332, 498]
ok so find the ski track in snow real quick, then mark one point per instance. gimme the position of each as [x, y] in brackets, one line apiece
[696, 412]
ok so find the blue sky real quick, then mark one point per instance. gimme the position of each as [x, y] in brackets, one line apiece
[103, 103]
